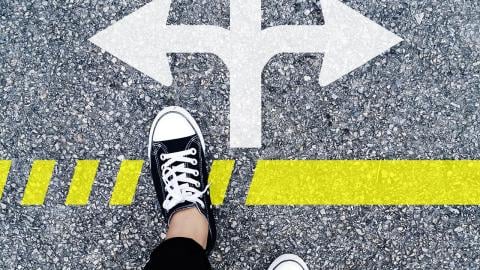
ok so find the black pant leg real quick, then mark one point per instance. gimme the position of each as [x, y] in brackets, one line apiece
[178, 254]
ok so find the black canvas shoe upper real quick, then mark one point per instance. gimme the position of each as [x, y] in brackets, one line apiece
[180, 177]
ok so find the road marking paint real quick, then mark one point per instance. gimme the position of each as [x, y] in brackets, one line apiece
[82, 182]
[38, 182]
[291, 182]
[366, 182]
[219, 178]
[348, 40]
[127, 181]
[4, 170]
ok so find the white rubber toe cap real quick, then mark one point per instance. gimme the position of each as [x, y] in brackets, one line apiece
[172, 125]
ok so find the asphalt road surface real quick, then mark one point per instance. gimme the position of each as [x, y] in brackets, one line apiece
[63, 98]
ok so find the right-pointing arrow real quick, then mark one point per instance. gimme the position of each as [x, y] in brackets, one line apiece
[351, 40]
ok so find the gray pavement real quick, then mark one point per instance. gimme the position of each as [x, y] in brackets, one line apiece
[64, 99]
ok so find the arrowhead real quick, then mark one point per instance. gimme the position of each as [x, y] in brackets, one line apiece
[351, 40]
[136, 40]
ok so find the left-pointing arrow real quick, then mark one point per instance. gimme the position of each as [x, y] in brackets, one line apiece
[143, 40]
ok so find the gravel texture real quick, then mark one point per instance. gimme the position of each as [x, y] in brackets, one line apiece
[63, 98]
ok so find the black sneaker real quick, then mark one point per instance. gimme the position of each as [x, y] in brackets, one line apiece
[178, 166]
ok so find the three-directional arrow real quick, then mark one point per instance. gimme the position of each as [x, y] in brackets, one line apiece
[143, 40]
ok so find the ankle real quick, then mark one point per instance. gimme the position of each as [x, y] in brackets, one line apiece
[189, 223]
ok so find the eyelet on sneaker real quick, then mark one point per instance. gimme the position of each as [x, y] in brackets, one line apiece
[162, 157]
[194, 162]
[193, 151]
[197, 185]
[162, 167]
[195, 173]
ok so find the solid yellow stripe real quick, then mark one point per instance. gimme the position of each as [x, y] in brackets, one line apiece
[4, 170]
[368, 182]
[219, 178]
[82, 182]
[126, 184]
[38, 182]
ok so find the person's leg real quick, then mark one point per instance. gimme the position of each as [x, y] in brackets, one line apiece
[179, 172]
[185, 245]
[178, 253]
[189, 223]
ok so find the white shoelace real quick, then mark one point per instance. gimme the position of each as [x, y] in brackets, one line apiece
[177, 182]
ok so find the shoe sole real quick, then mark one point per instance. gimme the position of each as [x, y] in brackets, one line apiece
[288, 257]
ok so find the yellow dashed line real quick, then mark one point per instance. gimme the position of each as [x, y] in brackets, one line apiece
[4, 170]
[291, 182]
[126, 184]
[82, 182]
[219, 178]
[38, 182]
[367, 182]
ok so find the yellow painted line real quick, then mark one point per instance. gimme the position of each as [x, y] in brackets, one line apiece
[126, 184]
[367, 182]
[82, 182]
[38, 182]
[219, 178]
[4, 170]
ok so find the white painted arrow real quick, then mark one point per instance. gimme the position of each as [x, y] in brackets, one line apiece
[143, 40]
